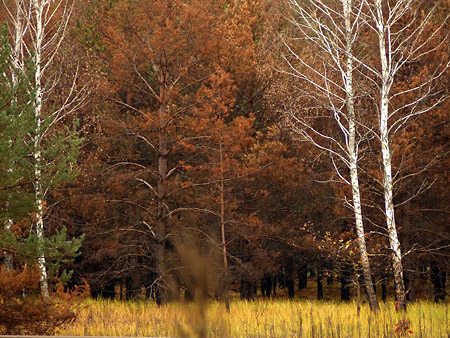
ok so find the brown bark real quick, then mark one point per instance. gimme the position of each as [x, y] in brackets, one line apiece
[222, 228]
[161, 216]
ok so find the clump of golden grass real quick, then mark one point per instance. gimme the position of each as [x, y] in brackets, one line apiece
[274, 318]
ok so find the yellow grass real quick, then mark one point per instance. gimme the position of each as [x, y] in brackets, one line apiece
[274, 318]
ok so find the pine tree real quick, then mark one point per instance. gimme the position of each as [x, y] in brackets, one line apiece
[39, 28]
[16, 125]
[20, 248]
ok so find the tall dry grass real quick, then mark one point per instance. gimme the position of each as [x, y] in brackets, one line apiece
[274, 318]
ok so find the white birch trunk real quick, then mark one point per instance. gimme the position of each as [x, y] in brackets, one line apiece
[38, 8]
[338, 45]
[44, 22]
[353, 161]
[386, 82]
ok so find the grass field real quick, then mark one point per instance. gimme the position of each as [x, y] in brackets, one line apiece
[261, 318]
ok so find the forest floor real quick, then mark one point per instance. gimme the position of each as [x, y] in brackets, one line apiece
[259, 318]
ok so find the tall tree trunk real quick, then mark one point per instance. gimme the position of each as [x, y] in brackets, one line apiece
[386, 82]
[38, 8]
[384, 289]
[315, 15]
[162, 213]
[274, 285]
[353, 161]
[289, 277]
[266, 285]
[345, 283]
[222, 226]
[319, 285]
[410, 269]
[302, 276]
[438, 278]
[358, 297]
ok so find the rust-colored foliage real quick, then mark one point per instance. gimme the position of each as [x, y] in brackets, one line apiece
[182, 135]
[24, 311]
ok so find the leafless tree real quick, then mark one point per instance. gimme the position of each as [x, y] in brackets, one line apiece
[400, 34]
[328, 79]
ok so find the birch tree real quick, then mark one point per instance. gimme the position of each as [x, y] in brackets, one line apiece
[39, 28]
[400, 31]
[329, 83]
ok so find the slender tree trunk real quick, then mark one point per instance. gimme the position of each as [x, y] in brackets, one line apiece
[345, 283]
[319, 285]
[386, 81]
[303, 277]
[161, 217]
[46, 32]
[222, 227]
[358, 297]
[353, 162]
[289, 277]
[266, 286]
[274, 286]
[438, 278]
[409, 272]
[38, 8]
[313, 17]
[384, 288]
[40, 221]
[373, 301]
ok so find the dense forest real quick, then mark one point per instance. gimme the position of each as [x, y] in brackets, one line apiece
[153, 148]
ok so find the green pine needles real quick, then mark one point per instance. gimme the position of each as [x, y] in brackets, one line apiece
[60, 149]
[16, 129]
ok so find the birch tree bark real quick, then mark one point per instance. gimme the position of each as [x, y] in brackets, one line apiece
[352, 149]
[38, 7]
[400, 37]
[334, 32]
[39, 28]
[386, 82]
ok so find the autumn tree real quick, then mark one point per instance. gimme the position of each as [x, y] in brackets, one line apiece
[161, 55]
[332, 33]
[219, 149]
[38, 29]
[23, 310]
[403, 36]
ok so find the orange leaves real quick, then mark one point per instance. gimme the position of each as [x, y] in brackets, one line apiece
[13, 282]
[32, 314]
[254, 221]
